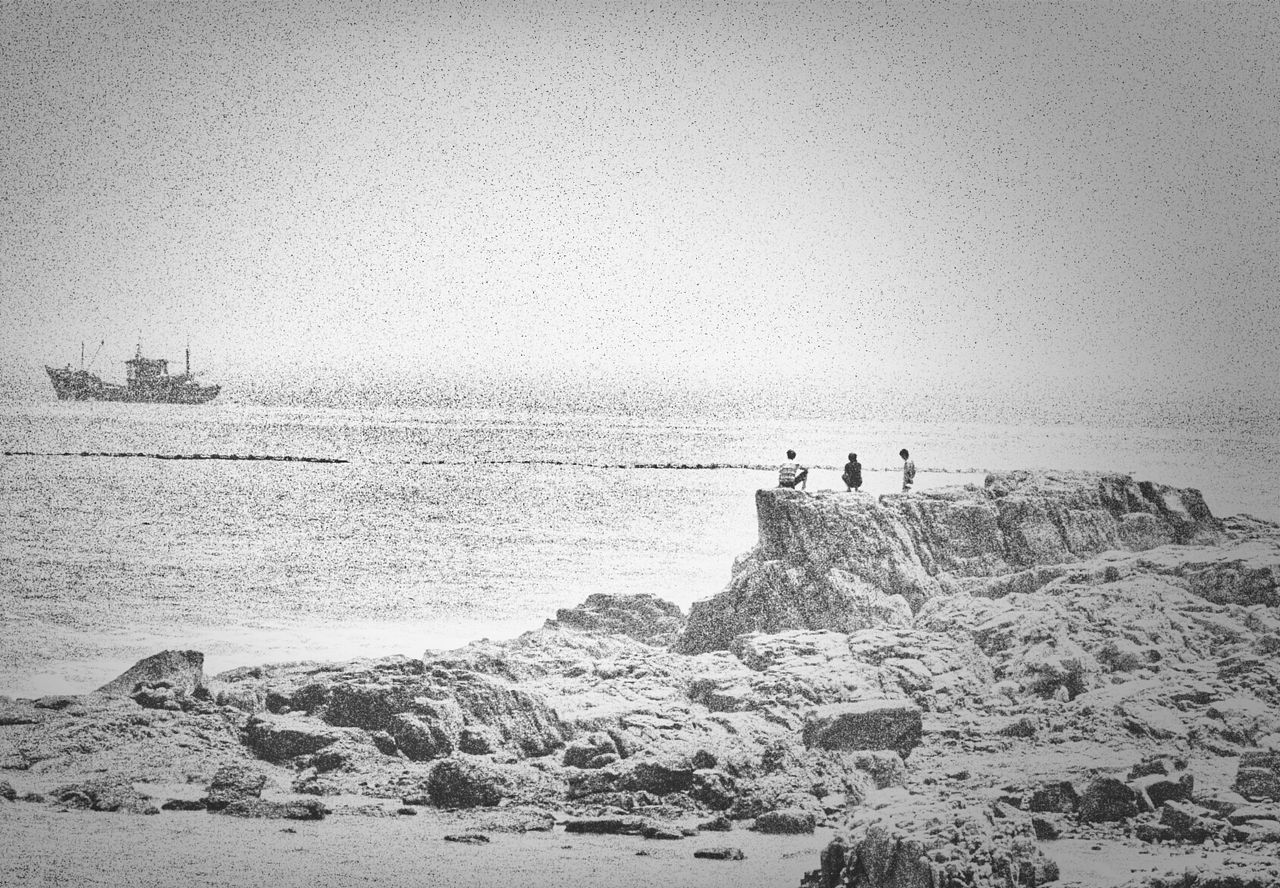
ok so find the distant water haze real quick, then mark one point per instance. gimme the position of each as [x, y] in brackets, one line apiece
[1046, 207]
[865, 393]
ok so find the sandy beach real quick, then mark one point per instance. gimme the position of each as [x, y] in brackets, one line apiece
[45, 848]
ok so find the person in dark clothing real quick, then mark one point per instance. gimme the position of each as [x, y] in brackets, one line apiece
[852, 476]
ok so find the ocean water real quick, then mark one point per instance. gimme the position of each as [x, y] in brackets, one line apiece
[442, 526]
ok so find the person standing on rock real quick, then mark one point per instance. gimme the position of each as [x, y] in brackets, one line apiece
[908, 470]
[791, 474]
[852, 476]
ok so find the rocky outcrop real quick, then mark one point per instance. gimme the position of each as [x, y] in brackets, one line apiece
[182, 672]
[917, 846]
[234, 783]
[280, 737]
[867, 724]
[643, 617]
[969, 675]
[847, 562]
[1258, 775]
[110, 793]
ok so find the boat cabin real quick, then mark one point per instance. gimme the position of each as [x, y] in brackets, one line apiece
[145, 372]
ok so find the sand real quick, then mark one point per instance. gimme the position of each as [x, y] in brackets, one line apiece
[44, 847]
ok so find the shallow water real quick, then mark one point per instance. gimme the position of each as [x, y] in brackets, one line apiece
[442, 526]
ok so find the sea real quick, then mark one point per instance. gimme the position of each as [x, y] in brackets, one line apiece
[259, 534]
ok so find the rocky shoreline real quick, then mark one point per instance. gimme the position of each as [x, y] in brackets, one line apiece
[959, 684]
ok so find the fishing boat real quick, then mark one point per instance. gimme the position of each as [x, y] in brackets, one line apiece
[147, 381]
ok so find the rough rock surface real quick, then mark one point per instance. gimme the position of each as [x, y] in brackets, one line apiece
[183, 671]
[844, 562]
[643, 617]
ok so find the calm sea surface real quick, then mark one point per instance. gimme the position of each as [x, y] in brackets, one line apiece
[443, 525]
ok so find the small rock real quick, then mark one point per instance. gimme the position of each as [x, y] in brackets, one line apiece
[720, 854]
[607, 826]
[311, 809]
[468, 838]
[184, 805]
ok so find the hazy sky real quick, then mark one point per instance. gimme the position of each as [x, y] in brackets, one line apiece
[668, 194]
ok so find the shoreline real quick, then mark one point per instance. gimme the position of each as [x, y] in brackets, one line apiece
[285, 641]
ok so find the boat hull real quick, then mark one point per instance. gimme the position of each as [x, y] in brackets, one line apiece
[81, 385]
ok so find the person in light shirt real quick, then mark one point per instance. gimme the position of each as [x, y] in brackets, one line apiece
[791, 474]
[908, 470]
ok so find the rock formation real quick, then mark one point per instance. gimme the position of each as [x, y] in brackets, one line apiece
[952, 680]
[847, 562]
[181, 671]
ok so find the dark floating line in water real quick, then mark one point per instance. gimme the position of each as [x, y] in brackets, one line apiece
[591, 465]
[678, 466]
[254, 457]
[246, 457]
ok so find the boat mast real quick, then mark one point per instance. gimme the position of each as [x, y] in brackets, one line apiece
[82, 354]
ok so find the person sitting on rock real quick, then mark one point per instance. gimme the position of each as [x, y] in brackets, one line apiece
[852, 476]
[791, 474]
[908, 470]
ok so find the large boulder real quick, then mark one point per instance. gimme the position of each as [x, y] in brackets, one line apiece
[833, 561]
[595, 750]
[1107, 799]
[1258, 774]
[643, 617]
[182, 671]
[523, 720]
[368, 703]
[459, 783]
[788, 821]
[110, 793]
[422, 739]
[233, 783]
[867, 724]
[951, 845]
[276, 738]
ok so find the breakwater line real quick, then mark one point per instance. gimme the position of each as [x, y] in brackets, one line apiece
[577, 464]
[248, 457]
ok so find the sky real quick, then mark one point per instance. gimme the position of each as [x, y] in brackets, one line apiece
[814, 202]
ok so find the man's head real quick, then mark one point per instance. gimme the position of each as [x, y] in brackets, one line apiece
[903, 453]
[791, 454]
[853, 457]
